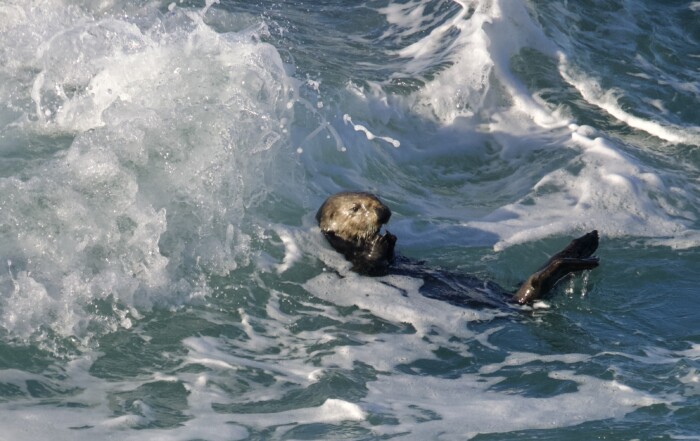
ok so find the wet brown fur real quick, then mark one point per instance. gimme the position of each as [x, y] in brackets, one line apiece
[353, 216]
[351, 222]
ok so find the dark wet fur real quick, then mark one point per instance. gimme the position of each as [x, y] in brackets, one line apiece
[374, 256]
[351, 221]
[576, 257]
[459, 289]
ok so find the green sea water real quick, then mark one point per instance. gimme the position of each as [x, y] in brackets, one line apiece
[162, 276]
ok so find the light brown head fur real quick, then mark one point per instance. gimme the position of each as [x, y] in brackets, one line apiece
[353, 216]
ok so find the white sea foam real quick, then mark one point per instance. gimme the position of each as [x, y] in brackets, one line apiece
[610, 192]
[432, 405]
[206, 352]
[489, 34]
[421, 406]
[479, 97]
[331, 411]
[371, 136]
[408, 406]
[607, 100]
[292, 253]
[407, 305]
[94, 419]
[173, 134]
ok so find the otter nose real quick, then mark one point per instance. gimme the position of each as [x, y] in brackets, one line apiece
[383, 214]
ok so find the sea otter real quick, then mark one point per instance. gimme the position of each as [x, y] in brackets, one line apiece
[351, 222]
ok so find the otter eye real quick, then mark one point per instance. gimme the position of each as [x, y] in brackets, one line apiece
[355, 208]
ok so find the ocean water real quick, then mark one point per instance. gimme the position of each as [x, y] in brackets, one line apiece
[162, 276]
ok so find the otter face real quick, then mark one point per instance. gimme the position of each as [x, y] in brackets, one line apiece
[351, 222]
[353, 216]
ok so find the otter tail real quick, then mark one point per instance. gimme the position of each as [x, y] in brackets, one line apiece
[574, 258]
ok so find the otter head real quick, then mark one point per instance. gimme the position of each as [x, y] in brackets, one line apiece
[351, 222]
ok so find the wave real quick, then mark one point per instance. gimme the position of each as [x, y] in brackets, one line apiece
[148, 148]
[168, 133]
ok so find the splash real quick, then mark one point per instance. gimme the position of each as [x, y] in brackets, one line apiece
[166, 133]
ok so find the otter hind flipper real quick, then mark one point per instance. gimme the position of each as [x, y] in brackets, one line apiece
[579, 248]
[577, 256]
